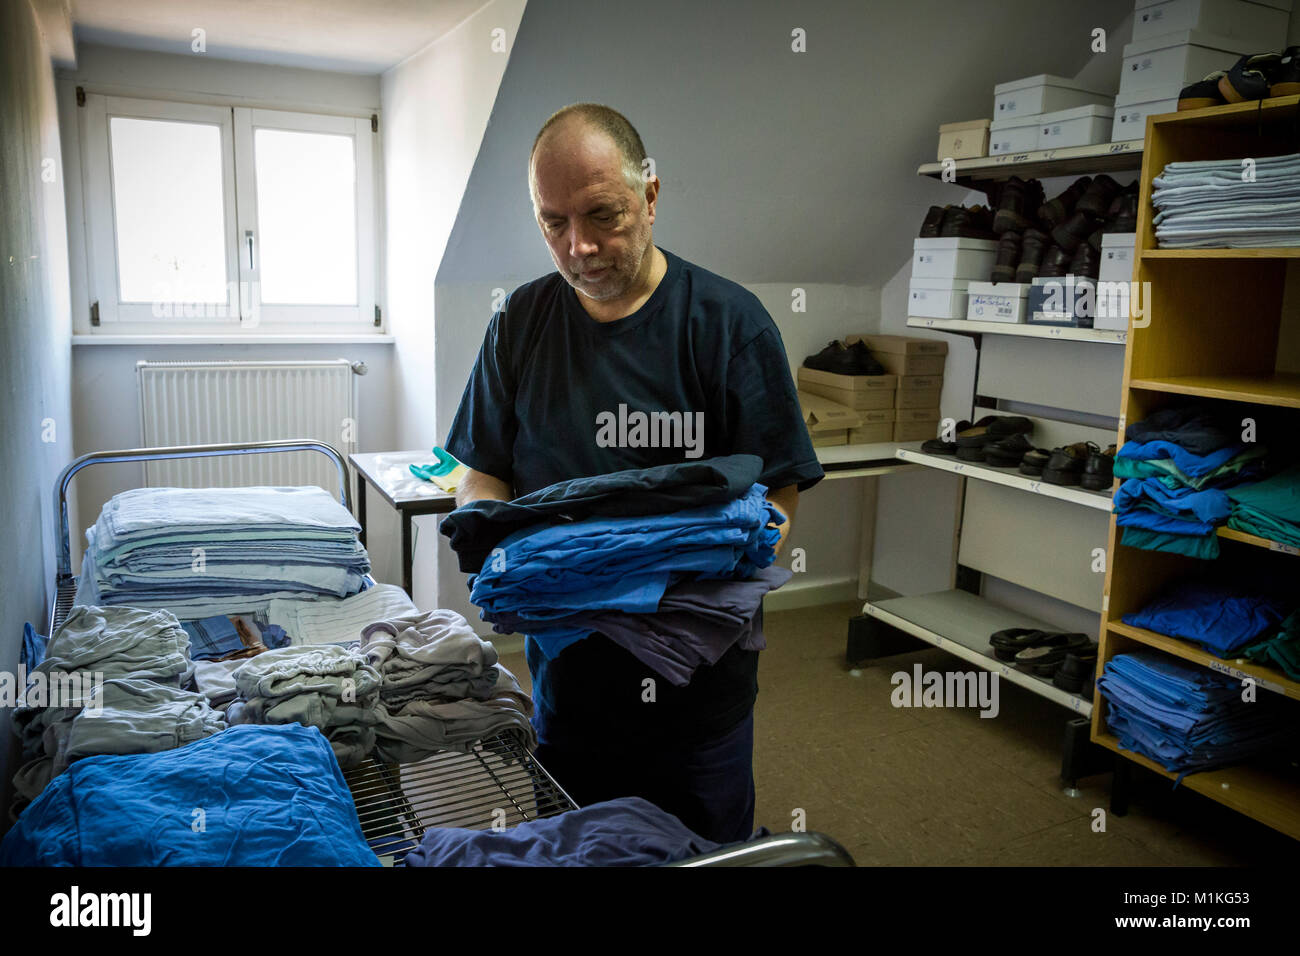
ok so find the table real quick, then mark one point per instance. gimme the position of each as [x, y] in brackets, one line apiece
[388, 474]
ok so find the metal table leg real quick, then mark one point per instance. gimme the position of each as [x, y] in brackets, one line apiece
[406, 554]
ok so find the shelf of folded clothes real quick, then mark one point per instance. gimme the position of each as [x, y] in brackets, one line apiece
[1231, 534]
[1251, 252]
[1008, 477]
[1275, 388]
[1024, 329]
[1041, 163]
[961, 623]
[1268, 678]
[1268, 792]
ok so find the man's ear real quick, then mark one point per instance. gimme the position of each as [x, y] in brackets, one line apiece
[651, 196]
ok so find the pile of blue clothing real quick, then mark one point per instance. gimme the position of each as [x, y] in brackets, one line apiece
[1187, 718]
[248, 796]
[1228, 203]
[1177, 468]
[620, 555]
[1269, 508]
[204, 551]
[1221, 613]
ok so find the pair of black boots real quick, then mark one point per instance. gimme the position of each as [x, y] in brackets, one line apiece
[1255, 76]
[1067, 240]
[958, 222]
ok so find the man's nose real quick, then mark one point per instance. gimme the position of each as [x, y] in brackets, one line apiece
[580, 244]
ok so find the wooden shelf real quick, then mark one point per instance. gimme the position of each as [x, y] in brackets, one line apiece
[1278, 388]
[1008, 477]
[1277, 109]
[1255, 252]
[1029, 330]
[1268, 678]
[1232, 534]
[1269, 794]
[1041, 163]
[961, 623]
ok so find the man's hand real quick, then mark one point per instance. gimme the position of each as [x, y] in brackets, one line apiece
[786, 501]
[478, 485]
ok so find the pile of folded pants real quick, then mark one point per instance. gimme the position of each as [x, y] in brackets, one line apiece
[205, 551]
[111, 683]
[327, 687]
[1221, 613]
[250, 796]
[1228, 203]
[1269, 508]
[628, 831]
[1187, 718]
[1177, 466]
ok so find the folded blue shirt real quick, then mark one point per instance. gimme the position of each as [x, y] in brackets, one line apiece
[1189, 463]
[1221, 615]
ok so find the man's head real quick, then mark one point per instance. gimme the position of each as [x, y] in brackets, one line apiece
[592, 203]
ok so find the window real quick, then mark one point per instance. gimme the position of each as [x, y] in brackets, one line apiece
[227, 219]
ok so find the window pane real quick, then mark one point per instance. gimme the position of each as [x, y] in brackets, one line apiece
[168, 206]
[306, 211]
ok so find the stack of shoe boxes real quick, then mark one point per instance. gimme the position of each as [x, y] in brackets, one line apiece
[1047, 112]
[917, 367]
[849, 409]
[1114, 282]
[942, 271]
[1177, 42]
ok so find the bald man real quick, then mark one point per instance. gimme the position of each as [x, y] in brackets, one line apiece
[625, 324]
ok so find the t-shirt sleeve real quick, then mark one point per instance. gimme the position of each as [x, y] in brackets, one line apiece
[482, 434]
[763, 413]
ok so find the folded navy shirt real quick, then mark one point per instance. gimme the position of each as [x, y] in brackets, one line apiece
[474, 529]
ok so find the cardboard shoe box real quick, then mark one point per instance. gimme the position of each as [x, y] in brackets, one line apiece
[997, 301]
[1042, 93]
[937, 298]
[953, 258]
[828, 422]
[1170, 61]
[905, 355]
[858, 392]
[965, 140]
[1015, 134]
[1080, 126]
[918, 431]
[1260, 27]
[1134, 106]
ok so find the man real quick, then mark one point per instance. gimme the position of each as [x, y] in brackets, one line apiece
[624, 323]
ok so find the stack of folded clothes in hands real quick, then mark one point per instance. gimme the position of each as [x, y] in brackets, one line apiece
[1187, 718]
[111, 683]
[1228, 203]
[204, 551]
[1177, 466]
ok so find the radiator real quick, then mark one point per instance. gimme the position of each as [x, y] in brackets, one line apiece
[203, 403]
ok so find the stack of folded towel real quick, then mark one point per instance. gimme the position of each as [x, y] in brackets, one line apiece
[1187, 718]
[205, 551]
[327, 620]
[111, 683]
[1177, 468]
[1228, 203]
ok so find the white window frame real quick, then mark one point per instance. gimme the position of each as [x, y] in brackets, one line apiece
[244, 314]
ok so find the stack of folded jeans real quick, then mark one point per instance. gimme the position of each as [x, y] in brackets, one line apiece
[1177, 466]
[1228, 203]
[331, 688]
[110, 683]
[1269, 508]
[1221, 613]
[1187, 718]
[205, 551]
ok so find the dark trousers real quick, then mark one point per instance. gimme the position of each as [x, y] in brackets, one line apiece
[709, 786]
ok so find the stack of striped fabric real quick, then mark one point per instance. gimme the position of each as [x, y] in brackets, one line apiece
[1228, 203]
[200, 552]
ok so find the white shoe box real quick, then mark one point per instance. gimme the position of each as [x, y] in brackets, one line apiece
[997, 301]
[937, 298]
[1080, 126]
[1171, 61]
[1258, 26]
[1133, 108]
[1016, 134]
[1043, 93]
[1118, 250]
[953, 258]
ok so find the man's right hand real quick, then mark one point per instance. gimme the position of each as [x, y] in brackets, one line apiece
[478, 485]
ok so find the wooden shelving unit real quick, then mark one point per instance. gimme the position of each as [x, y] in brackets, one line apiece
[1214, 321]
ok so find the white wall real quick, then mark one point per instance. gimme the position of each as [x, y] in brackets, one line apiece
[436, 109]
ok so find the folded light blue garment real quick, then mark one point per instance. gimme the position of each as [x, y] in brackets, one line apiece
[248, 796]
[1209, 506]
[1189, 463]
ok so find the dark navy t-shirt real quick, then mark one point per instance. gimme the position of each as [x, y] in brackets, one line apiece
[697, 372]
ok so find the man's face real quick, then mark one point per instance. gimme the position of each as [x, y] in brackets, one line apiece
[595, 224]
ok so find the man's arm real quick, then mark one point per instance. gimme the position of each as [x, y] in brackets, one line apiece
[478, 485]
[786, 501]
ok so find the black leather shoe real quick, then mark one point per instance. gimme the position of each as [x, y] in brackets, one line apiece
[933, 220]
[866, 362]
[1286, 75]
[1099, 470]
[1046, 655]
[1004, 270]
[937, 446]
[1096, 199]
[967, 222]
[834, 358]
[1066, 464]
[1062, 207]
[1250, 77]
[1034, 462]
[1007, 452]
[1122, 216]
[1077, 670]
[1086, 261]
[1074, 231]
[1202, 93]
[1032, 247]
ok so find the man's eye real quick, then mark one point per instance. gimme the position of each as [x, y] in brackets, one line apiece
[604, 218]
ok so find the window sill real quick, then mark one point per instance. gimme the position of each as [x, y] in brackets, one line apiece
[287, 338]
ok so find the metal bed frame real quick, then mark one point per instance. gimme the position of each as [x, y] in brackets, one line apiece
[497, 784]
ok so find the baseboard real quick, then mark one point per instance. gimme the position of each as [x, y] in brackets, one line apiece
[812, 594]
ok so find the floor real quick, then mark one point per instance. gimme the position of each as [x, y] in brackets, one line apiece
[925, 786]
